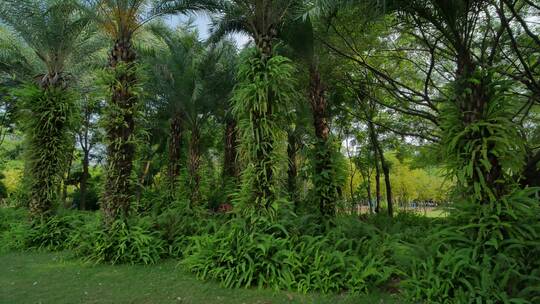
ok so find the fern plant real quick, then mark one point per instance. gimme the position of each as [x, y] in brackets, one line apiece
[261, 252]
[124, 242]
[49, 120]
[50, 233]
[265, 89]
[486, 253]
[484, 155]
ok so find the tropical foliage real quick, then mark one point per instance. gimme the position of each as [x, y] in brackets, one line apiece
[347, 146]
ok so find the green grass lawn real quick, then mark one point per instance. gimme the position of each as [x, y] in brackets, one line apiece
[42, 277]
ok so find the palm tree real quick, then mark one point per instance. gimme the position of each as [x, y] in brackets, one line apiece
[221, 78]
[58, 34]
[298, 34]
[179, 85]
[122, 20]
[192, 80]
[262, 20]
[300, 37]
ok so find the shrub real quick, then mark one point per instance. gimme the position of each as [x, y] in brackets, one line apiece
[257, 252]
[17, 236]
[487, 253]
[92, 198]
[153, 200]
[9, 216]
[408, 227]
[3, 189]
[49, 233]
[130, 241]
[53, 232]
[179, 223]
[19, 197]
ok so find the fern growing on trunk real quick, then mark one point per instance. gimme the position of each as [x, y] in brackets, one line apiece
[119, 122]
[265, 88]
[50, 116]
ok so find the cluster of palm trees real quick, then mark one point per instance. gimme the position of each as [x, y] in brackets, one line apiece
[49, 44]
[66, 38]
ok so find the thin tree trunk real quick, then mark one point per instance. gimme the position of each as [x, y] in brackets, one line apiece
[386, 172]
[63, 196]
[145, 171]
[374, 145]
[377, 185]
[231, 143]
[530, 172]
[194, 164]
[84, 179]
[175, 149]
[142, 179]
[120, 131]
[369, 194]
[292, 171]
[85, 147]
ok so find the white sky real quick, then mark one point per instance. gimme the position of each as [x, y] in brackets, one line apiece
[202, 22]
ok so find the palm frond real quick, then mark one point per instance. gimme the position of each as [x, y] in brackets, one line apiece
[15, 58]
[184, 72]
[165, 7]
[233, 20]
[54, 29]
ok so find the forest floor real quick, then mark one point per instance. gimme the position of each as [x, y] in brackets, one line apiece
[44, 277]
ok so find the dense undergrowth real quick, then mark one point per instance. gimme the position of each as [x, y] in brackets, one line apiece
[353, 255]
[485, 252]
[479, 253]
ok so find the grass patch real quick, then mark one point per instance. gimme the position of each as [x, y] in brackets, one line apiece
[43, 277]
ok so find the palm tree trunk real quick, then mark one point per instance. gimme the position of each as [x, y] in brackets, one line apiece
[318, 105]
[231, 143]
[48, 147]
[175, 149]
[194, 164]
[264, 163]
[292, 171]
[84, 179]
[472, 102]
[120, 129]
[323, 183]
